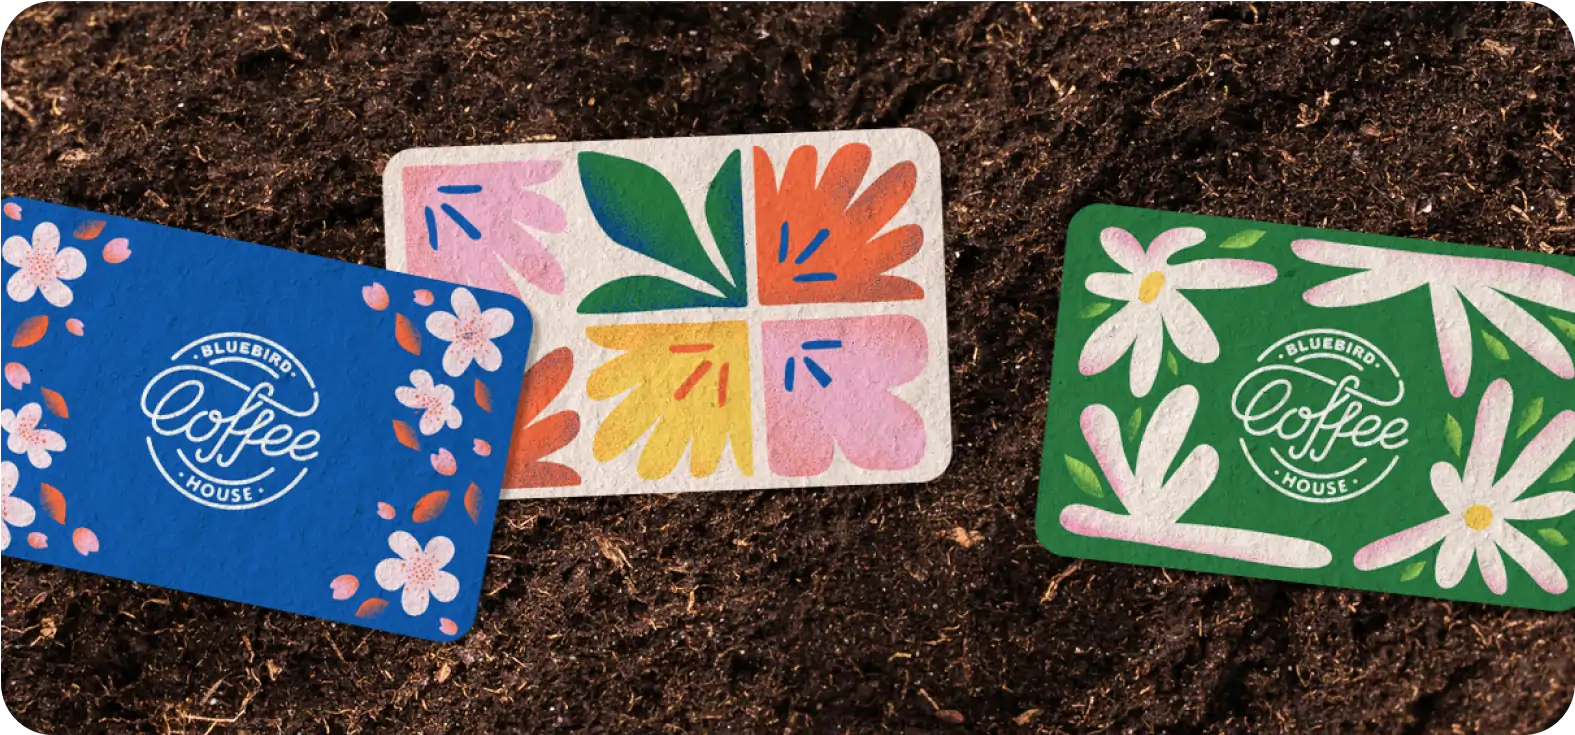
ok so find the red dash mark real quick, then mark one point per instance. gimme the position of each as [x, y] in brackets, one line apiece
[721, 386]
[681, 349]
[689, 382]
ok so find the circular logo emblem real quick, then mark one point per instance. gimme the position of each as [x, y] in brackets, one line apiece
[1318, 415]
[230, 421]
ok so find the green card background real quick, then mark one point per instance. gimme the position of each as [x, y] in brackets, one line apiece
[1248, 320]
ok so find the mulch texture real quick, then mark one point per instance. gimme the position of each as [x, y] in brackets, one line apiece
[847, 609]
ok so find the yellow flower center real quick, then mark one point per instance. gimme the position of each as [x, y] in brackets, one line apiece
[1478, 517]
[1149, 289]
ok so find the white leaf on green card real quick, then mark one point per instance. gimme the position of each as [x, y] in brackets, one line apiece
[1553, 537]
[1084, 477]
[1171, 364]
[1494, 346]
[1566, 326]
[1562, 472]
[1134, 423]
[1412, 571]
[1529, 416]
[1095, 309]
[1242, 240]
[1452, 433]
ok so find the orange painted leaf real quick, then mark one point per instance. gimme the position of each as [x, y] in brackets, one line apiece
[473, 502]
[344, 586]
[407, 335]
[371, 608]
[54, 502]
[89, 229]
[430, 506]
[406, 435]
[86, 541]
[542, 384]
[483, 396]
[55, 402]
[31, 331]
[535, 439]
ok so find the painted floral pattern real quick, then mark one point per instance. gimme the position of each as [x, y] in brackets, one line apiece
[1480, 505]
[434, 400]
[43, 266]
[830, 384]
[1155, 305]
[417, 572]
[27, 437]
[469, 332]
[14, 511]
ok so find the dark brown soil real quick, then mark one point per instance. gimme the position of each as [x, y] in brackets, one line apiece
[842, 610]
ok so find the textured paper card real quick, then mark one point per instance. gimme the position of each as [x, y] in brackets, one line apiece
[714, 313]
[250, 423]
[1314, 406]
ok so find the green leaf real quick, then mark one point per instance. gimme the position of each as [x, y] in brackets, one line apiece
[1085, 477]
[1242, 240]
[1134, 423]
[1094, 309]
[1529, 416]
[1553, 537]
[1566, 326]
[639, 209]
[1562, 472]
[646, 293]
[1452, 434]
[1170, 363]
[1412, 571]
[1494, 347]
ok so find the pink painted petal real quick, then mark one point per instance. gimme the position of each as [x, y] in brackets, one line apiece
[1454, 558]
[500, 213]
[442, 325]
[1125, 249]
[440, 550]
[1405, 544]
[1229, 543]
[535, 265]
[1147, 351]
[1164, 435]
[1172, 241]
[37, 540]
[375, 296]
[1113, 338]
[424, 297]
[1487, 439]
[1533, 559]
[13, 210]
[117, 250]
[1188, 329]
[16, 249]
[1118, 286]
[1220, 273]
[69, 264]
[1492, 565]
[385, 511]
[1448, 488]
[1190, 481]
[85, 541]
[17, 375]
[482, 447]
[74, 326]
[443, 462]
[403, 544]
[447, 626]
[414, 599]
[1362, 288]
[1454, 337]
[1102, 431]
[539, 213]
[445, 587]
[1539, 455]
[344, 586]
[390, 574]
[1523, 329]
[1542, 507]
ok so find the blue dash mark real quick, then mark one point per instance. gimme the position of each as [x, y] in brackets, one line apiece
[820, 373]
[820, 237]
[460, 189]
[464, 224]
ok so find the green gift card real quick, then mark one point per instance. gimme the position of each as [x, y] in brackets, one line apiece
[1313, 406]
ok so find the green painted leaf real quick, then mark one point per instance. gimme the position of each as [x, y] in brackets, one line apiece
[1242, 240]
[1562, 472]
[1452, 433]
[1529, 416]
[1171, 364]
[1494, 347]
[639, 209]
[1413, 570]
[1085, 478]
[1135, 423]
[1094, 309]
[1553, 537]
[1566, 326]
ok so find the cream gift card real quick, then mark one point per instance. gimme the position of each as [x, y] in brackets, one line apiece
[721, 313]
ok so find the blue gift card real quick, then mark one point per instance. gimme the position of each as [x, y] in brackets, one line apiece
[250, 423]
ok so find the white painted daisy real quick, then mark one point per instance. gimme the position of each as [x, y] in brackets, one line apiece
[419, 571]
[26, 438]
[1152, 289]
[1154, 504]
[1386, 274]
[43, 266]
[1480, 508]
[469, 332]
[434, 399]
[13, 511]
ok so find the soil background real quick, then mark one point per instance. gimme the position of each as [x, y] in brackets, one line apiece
[910, 608]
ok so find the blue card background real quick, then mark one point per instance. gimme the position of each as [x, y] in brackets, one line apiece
[177, 287]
